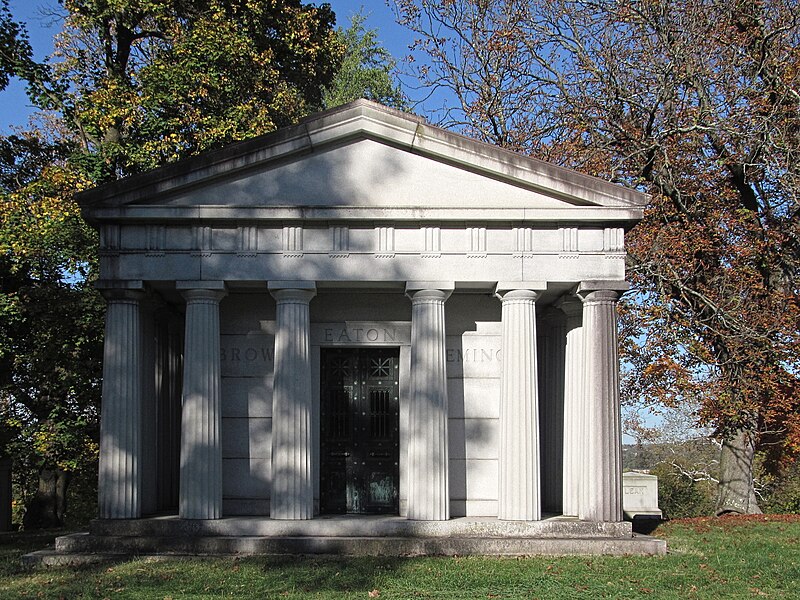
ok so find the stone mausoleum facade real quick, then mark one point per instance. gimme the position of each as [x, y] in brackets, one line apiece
[361, 314]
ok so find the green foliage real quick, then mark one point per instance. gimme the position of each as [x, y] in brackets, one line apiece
[50, 381]
[15, 48]
[82, 496]
[785, 499]
[51, 326]
[680, 496]
[153, 82]
[783, 492]
[366, 70]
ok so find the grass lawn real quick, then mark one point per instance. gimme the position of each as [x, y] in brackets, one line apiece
[732, 557]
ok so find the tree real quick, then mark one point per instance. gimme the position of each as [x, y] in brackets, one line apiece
[147, 82]
[133, 84]
[366, 70]
[698, 104]
[15, 48]
[51, 328]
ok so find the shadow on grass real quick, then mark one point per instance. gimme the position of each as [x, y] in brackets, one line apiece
[645, 525]
[195, 576]
[331, 573]
[14, 544]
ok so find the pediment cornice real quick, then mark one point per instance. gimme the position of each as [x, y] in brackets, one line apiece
[360, 120]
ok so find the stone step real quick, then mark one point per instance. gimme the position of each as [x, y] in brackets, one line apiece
[85, 543]
[53, 558]
[170, 526]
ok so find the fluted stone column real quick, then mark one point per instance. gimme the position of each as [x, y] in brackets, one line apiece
[601, 481]
[120, 476]
[551, 349]
[169, 391]
[520, 478]
[200, 495]
[428, 468]
[292, 494]
[149, 407]
[574, 408]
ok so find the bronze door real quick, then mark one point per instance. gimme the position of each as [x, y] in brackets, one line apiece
[359, 430]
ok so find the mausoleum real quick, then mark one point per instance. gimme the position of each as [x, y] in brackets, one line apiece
[362, 314]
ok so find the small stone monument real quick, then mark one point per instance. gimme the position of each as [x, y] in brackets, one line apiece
[640, 495]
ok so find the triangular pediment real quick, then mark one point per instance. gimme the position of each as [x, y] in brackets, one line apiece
[364, 156]
[363, 173]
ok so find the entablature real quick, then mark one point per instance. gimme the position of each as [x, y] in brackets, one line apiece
[623, 217]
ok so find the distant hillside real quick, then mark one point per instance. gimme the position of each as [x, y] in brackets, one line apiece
[696, 454]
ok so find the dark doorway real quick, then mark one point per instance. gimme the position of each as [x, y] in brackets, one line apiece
[359, 430]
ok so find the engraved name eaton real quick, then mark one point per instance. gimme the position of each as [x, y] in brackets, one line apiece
[359, 334]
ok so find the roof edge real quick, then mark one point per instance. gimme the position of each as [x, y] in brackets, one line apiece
[368, 119]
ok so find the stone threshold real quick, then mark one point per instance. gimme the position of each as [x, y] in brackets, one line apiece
[344, 535]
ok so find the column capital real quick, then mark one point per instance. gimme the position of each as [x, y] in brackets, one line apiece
[437, 289]
[522, 295]
[427, 296]
[120, 290]
[203, 295]
[119, 284]
[508, 286]
[599, 296]
[296, 284]
[199, 291]
[200, 284]
[292, 291]
[588, 287]
[430, 285]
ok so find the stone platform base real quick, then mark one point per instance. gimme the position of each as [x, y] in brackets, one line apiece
[346, 535]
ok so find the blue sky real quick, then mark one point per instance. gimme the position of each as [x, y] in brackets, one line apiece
[15, 107]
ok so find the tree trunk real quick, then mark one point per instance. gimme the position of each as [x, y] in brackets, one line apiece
[736, 493]
[49, 505]
[5, 494]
